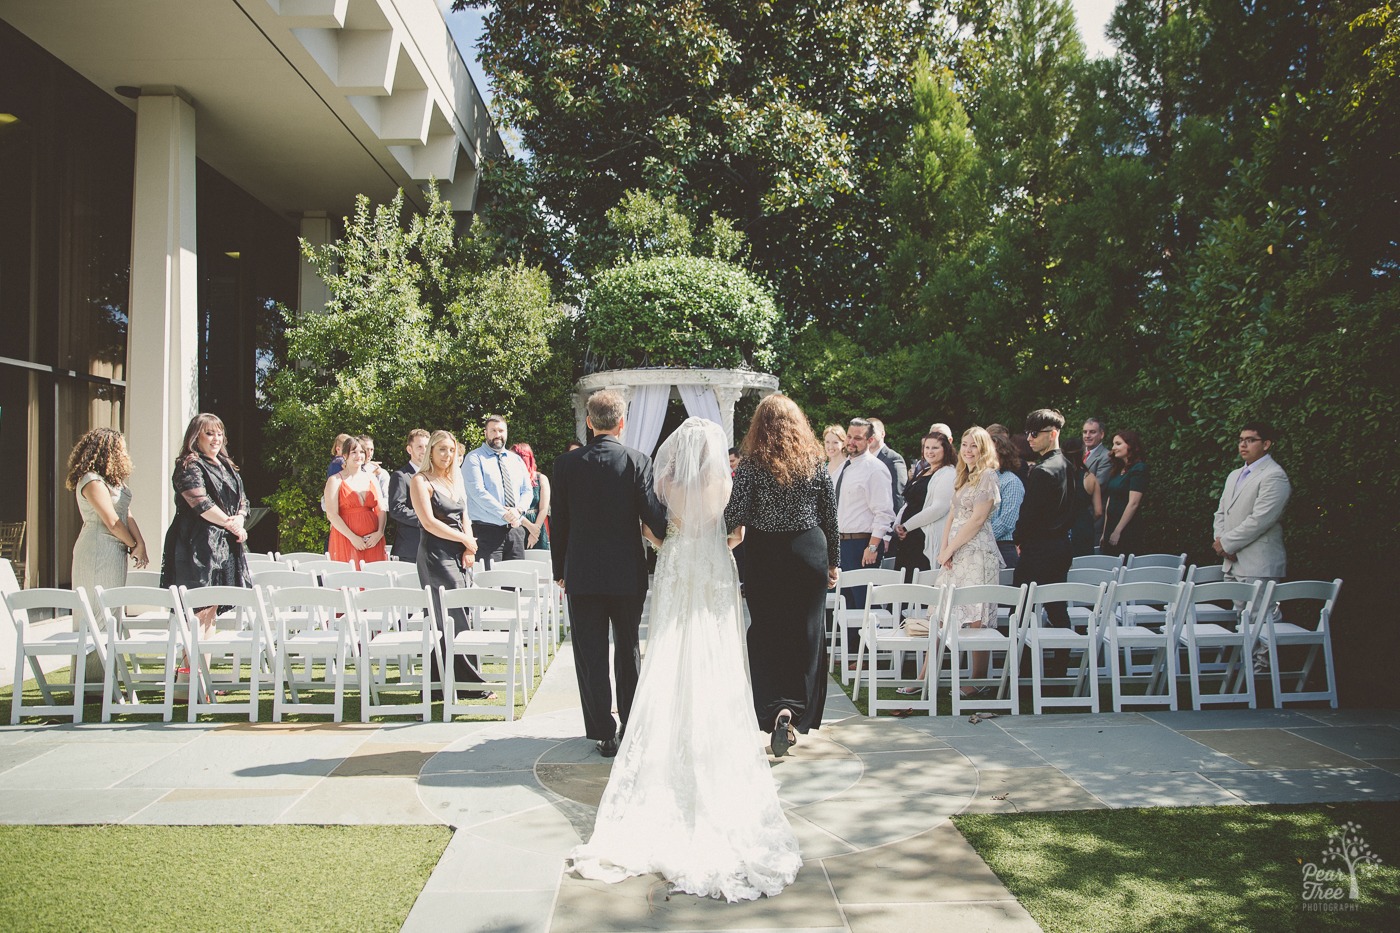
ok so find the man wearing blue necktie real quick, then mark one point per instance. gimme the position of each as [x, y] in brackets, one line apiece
[498, 490]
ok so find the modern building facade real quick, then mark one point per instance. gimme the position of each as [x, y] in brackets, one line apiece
[158, 161]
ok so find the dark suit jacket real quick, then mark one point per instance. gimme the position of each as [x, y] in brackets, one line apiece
[407, 531]
[899, 474]
[1047, 511]
[599, 494]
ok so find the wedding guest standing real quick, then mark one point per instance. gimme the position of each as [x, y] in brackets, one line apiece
[926, 500]
[1008, 510]
[968, 552]
[784, 501]
[98, 469]
[405, 519]
[834, 442]
[1122, 528]
[536, 519]
[447, 548]
[1088, 503]
[355, 509]
[204, 545]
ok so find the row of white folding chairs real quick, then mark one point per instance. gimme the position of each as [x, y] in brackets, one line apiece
[1138, 561]
[405, 574]
[269, 629]
[1182, 631]
[543, 637]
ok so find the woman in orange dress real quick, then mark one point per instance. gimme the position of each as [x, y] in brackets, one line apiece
[355, 509]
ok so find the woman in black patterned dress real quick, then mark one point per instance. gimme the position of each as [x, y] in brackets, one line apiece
[784, 500]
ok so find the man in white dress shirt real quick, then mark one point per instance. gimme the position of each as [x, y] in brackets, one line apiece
[1248, 522]
[864, 506]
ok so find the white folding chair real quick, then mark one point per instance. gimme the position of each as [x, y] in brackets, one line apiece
[324, 566]
[241, 631]
[357, 580]
[296, 557]
[498, 621]
[141, 578]
[407, 575]
[52, 622]
[257, 558]
[276, 576]
[557, 603]
[1275, 634]
[141, 620]
[1039, 638]
[966, 640]
[1234, 646]
[544, 596]
[379, 614]
[843, 617]
[903, 601]
[311, 623]
[1121, 640]
[1096, 562]
[962, 641]
[526, 582]
[1208, 573]
[1137, 561]
[1145, 612]
[388, 567]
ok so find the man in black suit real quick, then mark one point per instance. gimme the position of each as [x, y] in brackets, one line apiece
[1047, 514]
[602, 494]
[899, 470]
[407, 530]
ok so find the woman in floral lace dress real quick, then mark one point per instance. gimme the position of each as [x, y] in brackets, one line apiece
[969, 553]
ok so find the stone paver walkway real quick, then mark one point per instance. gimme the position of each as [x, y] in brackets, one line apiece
[870, 800]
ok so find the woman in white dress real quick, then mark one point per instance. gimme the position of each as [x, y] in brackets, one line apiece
[691, 795]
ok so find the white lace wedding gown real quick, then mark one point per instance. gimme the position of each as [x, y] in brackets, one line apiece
[691, 794]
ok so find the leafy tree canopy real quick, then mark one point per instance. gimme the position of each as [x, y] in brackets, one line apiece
[775, 115]
[422, 329]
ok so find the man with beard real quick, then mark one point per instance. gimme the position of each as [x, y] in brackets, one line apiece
[498, 492]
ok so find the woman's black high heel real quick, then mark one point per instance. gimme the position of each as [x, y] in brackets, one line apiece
[782, 734]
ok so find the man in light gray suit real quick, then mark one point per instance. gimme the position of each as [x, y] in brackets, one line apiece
[1097, 461]
[1248, 523]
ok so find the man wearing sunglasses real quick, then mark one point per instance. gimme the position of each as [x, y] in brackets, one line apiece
[1047, 514]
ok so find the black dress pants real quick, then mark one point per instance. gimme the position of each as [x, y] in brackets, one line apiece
[498, 542]
[591, 617]
[1048, 562]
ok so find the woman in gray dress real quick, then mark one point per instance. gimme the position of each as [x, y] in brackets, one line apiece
[98, 469]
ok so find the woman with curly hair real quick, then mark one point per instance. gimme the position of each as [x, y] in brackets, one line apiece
[204, 544]
[98, 469]
[783, 506]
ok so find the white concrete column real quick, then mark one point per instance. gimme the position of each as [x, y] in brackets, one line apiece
[162, 341]
[580, 418]
[312, 293]
[727, 396]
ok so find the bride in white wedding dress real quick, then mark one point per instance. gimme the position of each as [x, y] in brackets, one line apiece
[691, 794]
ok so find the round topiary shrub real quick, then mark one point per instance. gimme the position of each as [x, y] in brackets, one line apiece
[681, 311]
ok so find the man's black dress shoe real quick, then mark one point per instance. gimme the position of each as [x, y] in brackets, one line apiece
[608, 747]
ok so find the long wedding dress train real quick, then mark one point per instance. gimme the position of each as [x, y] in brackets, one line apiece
[692, 795]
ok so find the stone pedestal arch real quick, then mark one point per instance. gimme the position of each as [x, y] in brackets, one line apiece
[728, 385]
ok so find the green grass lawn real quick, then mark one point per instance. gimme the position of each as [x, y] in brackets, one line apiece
[1188, 869]
[182, 878]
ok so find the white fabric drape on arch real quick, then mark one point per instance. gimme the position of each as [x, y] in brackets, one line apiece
[700, 402]
[645, 417]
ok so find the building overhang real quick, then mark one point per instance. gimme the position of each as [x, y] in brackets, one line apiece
[302, 103]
